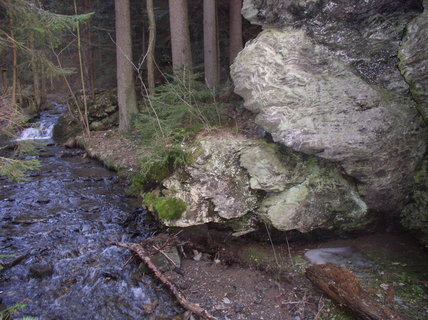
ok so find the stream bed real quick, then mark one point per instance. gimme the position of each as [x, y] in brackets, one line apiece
[60, 224]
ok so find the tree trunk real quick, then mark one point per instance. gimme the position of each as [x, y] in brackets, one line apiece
[4, 80]
[180, 37]
[235, 29]
[36, 77]
[90, 51]
[14, 71]
[343, 287]
[39, 93]
[151, 47]
[126, 96]
[82, 77]
[212, 77]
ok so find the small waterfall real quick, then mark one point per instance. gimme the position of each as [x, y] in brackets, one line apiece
[43, 129]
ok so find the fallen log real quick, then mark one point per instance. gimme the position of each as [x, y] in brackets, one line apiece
[192, 307]
[344, 287]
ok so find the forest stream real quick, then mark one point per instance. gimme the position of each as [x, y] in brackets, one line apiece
[58, 226]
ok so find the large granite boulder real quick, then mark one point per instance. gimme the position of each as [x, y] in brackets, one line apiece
[214, 187]
[301, 193]
[320, 86]
[238, 181]
[413, 56]
[364, 34]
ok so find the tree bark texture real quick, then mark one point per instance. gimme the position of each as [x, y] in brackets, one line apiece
[180, 37]
[89, 50]
[235, 29]
[85, 119]
[151, 47]
[4, 80]
[344, 287]
[212, 77]
[14, 72]
[126, 96]
[36, 76]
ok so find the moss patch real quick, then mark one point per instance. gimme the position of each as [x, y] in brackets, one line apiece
[166, 208]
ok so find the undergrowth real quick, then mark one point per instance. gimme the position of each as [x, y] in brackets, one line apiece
[169, 119]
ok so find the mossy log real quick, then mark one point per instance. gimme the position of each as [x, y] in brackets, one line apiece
[344, 287]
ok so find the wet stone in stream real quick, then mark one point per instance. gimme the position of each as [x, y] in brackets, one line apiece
[64, 218]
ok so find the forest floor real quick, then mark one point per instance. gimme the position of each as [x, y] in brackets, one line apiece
[237, 278]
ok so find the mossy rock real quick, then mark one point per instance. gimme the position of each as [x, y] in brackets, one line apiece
[166, 208]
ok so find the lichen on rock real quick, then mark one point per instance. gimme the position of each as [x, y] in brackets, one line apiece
[312, 101]
[214, 187]
[413, 56]
[302, 192]
[241, 181]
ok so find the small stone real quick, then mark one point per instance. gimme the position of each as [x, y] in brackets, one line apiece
[226, 300]
[41, 270]
[197, 255]
[238, 308]
[384, 286]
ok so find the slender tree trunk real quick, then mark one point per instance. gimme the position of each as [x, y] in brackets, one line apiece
[212, 77]
[126, 96]
[36, 77]
[235, 29]
[90, 51]
[4, 80]
[82, 78]
[151, 47]
[39, 93]
[180, 37]
[14, 71]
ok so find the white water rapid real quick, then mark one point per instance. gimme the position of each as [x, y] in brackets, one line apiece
[43, 129]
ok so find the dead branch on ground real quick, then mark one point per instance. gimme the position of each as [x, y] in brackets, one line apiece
[144, 255]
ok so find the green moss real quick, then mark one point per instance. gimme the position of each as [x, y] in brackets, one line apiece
[150, 200]
[170, 208]
[167, 208]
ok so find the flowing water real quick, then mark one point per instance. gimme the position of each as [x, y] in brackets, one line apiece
[43, 129]
[60, 224]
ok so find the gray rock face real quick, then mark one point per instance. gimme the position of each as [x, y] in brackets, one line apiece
[302, 194]
[238, 180]
[214, 187]
[304, 84]
[365, 34]
[413, 56]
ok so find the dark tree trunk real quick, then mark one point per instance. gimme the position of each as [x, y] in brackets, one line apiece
[211, 57]
[180, 37]
[151, 47]
[126, 96]
[235, 29]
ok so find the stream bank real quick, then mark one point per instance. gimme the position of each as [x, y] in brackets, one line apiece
[216, 274]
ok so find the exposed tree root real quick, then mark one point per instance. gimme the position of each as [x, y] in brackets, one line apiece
[145, 256]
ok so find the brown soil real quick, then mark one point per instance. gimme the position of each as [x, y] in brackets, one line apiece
[235, 292]
[113, 149]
